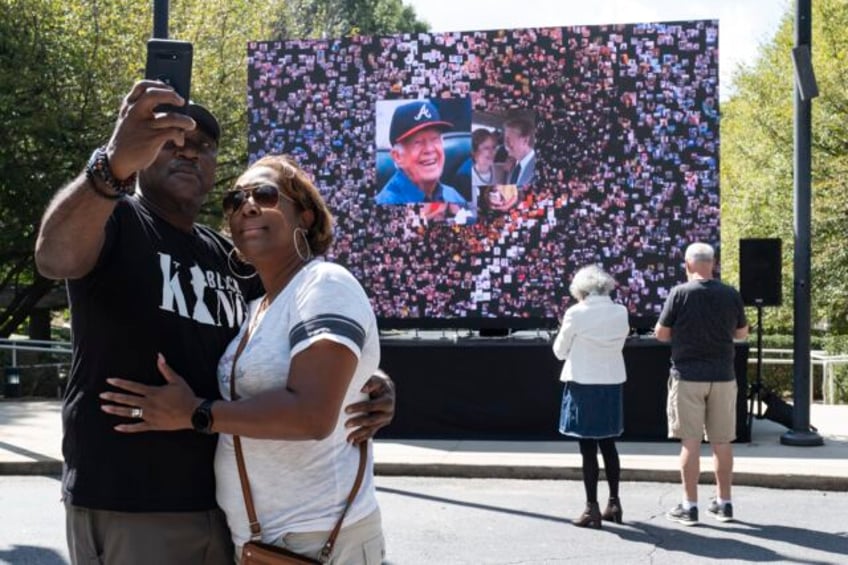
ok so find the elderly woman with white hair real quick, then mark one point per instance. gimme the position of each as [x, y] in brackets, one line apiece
[590, 342]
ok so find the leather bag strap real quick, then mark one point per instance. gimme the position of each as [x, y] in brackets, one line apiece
[255, 527]
[360, 473]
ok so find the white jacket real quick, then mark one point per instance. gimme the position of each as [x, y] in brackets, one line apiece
[590, 342]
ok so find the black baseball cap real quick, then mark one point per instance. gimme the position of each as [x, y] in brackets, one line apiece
[414, 117]
[205, 120]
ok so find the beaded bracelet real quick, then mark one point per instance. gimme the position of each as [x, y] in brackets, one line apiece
[98, 169]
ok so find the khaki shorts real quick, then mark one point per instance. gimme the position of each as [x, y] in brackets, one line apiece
[695, 407]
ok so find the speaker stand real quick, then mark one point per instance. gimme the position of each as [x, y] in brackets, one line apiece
[755, 394]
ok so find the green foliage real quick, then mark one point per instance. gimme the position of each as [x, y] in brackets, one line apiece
[757, 164]
[51, 98]
[786, 341]
[339, 18]
[65, 67]
[838, 345]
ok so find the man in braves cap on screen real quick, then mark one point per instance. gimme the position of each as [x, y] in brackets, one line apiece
[419, 155]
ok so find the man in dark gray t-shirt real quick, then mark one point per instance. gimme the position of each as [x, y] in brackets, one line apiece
[701, 318]
[705, 314]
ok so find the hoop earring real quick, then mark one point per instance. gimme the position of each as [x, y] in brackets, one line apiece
[303, 233]
[231, 262]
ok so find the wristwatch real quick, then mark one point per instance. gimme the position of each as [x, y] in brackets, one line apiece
[201, 420]
[98, 170]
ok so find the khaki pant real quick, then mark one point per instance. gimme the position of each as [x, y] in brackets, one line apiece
[163, 538]
[695, 407]
[360, 543]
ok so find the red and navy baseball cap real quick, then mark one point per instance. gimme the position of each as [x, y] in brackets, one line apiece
[205, 120]
[414, 117]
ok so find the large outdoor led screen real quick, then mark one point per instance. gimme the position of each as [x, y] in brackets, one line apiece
[472, 173]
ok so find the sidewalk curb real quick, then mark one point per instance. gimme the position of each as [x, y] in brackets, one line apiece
[53, 467]
[50, 467]
[30, 444]
[543, 472]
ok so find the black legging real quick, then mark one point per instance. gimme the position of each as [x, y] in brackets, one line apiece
[612, 467]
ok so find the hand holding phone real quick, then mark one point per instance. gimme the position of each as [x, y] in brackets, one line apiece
[170, 61]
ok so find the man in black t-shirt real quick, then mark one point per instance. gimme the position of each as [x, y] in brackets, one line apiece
[143, 278]
[701, 318]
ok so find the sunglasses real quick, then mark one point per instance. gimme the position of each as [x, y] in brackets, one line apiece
[264, 195]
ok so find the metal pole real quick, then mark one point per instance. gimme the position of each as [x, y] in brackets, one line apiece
[800, 433]
[759, 384]
[160, 19]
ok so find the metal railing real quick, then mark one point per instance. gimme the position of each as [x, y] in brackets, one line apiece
[44, 346]
[49, 349]
[818, 358]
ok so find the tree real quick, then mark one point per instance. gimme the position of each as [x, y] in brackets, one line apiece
[338, 18]
[50, 106]
[64, 67]
[757, 164]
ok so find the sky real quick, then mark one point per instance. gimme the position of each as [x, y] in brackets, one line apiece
[743, 24]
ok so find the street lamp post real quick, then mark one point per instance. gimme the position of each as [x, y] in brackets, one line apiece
[160, 19]
[805, 90]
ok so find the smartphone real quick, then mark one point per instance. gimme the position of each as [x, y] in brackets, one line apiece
[169, 60]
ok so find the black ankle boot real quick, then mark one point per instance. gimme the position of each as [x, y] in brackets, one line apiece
[591, 517]
[613, 512]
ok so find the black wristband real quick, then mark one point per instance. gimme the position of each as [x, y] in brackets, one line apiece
[201, 419]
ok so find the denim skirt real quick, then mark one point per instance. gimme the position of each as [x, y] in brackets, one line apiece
[592, 411]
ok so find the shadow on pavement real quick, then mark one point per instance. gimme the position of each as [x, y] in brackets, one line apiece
[31, 554]
[467, 504]
[688, 541]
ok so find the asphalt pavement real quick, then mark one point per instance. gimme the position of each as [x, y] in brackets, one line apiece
[30, 444]
[488, 502]
[457, 521]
